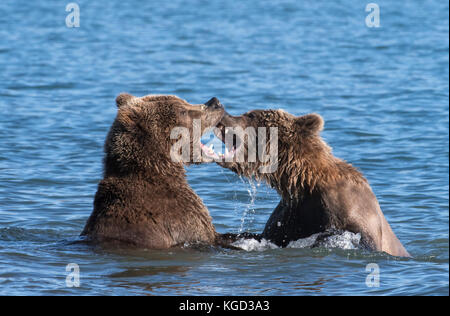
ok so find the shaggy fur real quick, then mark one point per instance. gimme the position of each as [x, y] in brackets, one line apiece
[144, 198]
[319, 192]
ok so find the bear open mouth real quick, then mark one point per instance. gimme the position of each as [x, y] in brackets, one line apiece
[230, 148]
[210, 153]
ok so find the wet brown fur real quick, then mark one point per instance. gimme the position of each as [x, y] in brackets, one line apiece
[144, 199]
[319, 191]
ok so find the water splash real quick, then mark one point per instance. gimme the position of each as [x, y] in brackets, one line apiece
[344, 240]
[254, 245]
[248, 216]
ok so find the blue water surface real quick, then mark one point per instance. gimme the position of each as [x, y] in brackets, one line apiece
[383, 93]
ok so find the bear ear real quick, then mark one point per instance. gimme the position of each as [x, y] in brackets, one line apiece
[123, 98]
[127, 116]
[310, 123]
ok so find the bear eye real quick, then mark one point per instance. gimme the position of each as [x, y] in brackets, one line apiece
[183, 112]
[251, 115]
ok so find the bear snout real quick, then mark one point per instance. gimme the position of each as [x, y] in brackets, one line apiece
[214, 103]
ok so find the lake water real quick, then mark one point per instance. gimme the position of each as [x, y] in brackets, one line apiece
[383, 93]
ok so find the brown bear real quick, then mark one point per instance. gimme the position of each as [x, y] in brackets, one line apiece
[144, 198]
[319, 192]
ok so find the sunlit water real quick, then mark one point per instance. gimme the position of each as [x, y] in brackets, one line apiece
[383, 93]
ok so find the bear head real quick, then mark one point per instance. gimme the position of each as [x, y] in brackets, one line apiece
[141, 137]
[282, 149]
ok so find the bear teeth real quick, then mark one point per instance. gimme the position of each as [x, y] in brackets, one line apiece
[209, 152]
